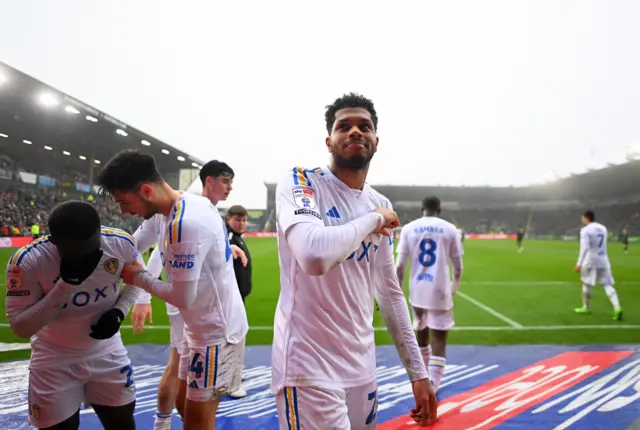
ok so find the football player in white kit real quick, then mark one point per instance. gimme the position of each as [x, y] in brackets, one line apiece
[64, 292]
[197, 260]
[215, 183]
[593, 264]
[336, 254]
[430, 243]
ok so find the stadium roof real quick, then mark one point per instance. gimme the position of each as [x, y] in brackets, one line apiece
[34, 113]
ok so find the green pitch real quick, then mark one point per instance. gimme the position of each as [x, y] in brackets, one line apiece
[506, 298]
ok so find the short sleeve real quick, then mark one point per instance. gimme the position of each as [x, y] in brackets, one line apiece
[186, 242]
[456, 249]
[296, 201]
[23, 287]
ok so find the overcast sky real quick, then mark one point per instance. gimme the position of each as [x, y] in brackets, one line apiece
[467, 92]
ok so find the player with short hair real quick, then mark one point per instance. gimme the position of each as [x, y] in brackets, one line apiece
[64, 292]
[593, 264]
[197, 260]
[335, 250]
[625, 240]
[430, 243]
[520, 238]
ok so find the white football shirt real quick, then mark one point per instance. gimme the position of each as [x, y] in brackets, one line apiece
[323, 329]
[429, 243]
[195, 247]
[34, 270]
[593, 246]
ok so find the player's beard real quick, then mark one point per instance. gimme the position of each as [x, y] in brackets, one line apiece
[150, 210]
[355, 162]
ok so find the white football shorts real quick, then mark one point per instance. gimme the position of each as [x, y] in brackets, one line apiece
[56, 393]
[592, 275]
[432, 319]
[211, 372]
[321, 408]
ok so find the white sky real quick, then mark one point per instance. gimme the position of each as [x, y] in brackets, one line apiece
[468, 92]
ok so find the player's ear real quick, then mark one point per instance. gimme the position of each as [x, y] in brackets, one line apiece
[327, 141]
[146, 190]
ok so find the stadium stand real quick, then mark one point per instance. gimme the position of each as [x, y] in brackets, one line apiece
[547, 211]
[51, 146]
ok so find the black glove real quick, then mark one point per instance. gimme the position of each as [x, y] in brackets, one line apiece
[75, 272]
[107, 325]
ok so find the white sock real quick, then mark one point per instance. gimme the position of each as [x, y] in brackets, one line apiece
[613, 296]
[436, 370]
[586, 295]
[162, 421]
[426, 355]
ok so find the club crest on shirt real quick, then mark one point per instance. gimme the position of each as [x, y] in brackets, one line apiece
[304, 197]
[111, 265]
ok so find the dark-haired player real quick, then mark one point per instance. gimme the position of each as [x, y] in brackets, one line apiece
[520, 238]
[336, 254]
[64, 292]
[430, 243]
[624, 238]
[196, 256]
[593, 264]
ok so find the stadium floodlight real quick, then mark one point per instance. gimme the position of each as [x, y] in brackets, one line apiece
[194, 164]
[82, 157]
[145, 142]
[28, 142]
[91, 119]
[71, 109]
[66, 153]
[180, 157]
[48, 148]
[164, 151]
[4, 136]
[122, 132]
[49, 100]
[96, 161]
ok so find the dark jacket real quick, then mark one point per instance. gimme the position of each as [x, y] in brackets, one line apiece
[243, 274]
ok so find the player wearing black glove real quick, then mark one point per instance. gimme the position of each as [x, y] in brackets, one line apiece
[75, 272]
[107, 325]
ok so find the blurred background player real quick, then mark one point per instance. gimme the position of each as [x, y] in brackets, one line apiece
[215, 181]
[624, 238]
[237, 226]
[197, 261]
[430, 243]
[593, 264]
[64, 292]
[330, 224]
[520, 238]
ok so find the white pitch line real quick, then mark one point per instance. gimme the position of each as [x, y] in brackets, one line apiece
[458, 328]
[486, 308]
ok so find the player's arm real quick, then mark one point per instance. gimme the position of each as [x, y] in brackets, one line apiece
[184, 252]
[145, 236]
[154, 266]
[402, 256]
[316, 247]
[394, 310]
[455, 255]
[584, 247]
[28, 309]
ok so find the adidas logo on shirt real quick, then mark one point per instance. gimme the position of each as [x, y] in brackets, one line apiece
[333, 213]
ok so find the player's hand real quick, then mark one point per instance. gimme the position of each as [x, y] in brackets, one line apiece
[577, 268]
[391, 221]
[75, 272]
[107, 325]
[141, 312]
[236, 251]
[129, 272]
[426, 410]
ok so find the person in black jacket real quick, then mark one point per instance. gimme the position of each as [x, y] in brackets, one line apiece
[237, 226]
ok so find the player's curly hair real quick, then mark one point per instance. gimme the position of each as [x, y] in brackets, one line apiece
[73, 219]
[351, 100]
[126, 171]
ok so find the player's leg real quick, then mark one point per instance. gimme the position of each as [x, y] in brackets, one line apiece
[183, 371]
[362, 406]
[111, 390]
[55, 396]
[440, 322]
[169, 383]
[422, 333]
[588, 279]
[302, 408]
[605, 278]
[213, 372]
